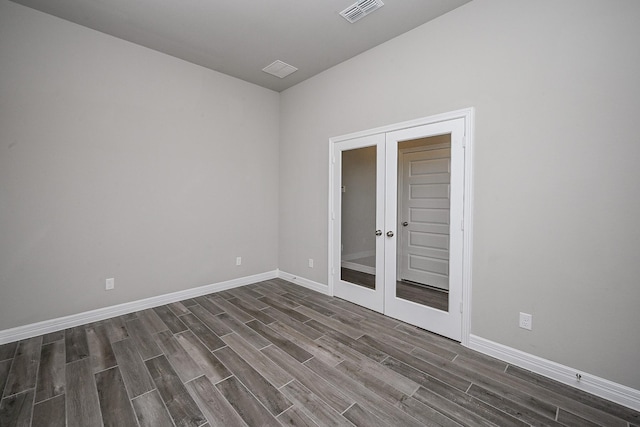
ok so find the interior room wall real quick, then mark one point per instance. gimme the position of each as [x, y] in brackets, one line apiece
[554, 85]
[358, 204]
[119, 161]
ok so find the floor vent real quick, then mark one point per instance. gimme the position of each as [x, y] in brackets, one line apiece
[360, 9]
[279, 69]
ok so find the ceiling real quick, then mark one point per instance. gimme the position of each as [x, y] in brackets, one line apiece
[240, 38]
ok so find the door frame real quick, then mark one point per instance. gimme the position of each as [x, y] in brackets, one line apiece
[467, 223]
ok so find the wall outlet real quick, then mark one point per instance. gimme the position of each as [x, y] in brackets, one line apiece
[238, 260]
[310, 262]
[109, 284]
[526, 321]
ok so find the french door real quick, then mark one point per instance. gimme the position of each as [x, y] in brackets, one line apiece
[397, 216]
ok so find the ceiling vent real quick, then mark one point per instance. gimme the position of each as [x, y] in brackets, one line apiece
[360, 9]
[279, 69]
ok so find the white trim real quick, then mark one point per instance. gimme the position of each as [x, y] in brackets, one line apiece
[358, 267]
[358, 255]
[465, 113]
[467, 219]
[60, 323]
[332, 216]
[306, 283]
[601, 387]
[468, 114]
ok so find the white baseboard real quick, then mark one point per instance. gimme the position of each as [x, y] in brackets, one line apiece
[53, 325]
[601, 387]
[309, 284]
[358, 267]
[358, 255]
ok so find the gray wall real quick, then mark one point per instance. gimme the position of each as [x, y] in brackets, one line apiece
[118, 161]
[358, 203]
[555, 87]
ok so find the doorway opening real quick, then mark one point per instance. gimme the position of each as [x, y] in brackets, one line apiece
[399, 240]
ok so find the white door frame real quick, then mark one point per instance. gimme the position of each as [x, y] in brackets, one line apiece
[467, 223]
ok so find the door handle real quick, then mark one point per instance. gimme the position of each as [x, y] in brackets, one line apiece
[389, 233]
[378, 232]
[404, 224]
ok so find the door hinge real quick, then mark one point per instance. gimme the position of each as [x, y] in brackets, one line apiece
[333, 160]
[462, 224]
[333, 215]
[460, 306]
[464, 141]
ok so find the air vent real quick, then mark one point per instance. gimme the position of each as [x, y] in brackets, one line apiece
[279, 69]
[360, 9]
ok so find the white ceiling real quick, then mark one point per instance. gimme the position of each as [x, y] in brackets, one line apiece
[239, 38]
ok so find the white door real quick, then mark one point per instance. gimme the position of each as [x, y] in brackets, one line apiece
[423, 213]
[447, 319]
[358, 261]
[367, 217]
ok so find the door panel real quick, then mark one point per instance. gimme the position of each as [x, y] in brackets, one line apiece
[420, 191]
[435, 245]
[437, 168]
[359, 202]
[431, 216]
[436, 267]
[426, 182]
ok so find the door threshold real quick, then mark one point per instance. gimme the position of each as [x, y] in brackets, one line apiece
[424, 285]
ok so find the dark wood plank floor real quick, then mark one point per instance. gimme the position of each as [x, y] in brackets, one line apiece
[425, 295]
[273, 354]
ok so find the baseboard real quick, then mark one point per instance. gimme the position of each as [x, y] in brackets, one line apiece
[358, 267]
[358, 255]
[53, 325]
[601, 387]
[309, 284]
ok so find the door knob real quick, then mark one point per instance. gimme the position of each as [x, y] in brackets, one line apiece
[378, 232]
[389, 233]
[404, 224]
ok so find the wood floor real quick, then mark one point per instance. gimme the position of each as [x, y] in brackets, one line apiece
[421, 294]
[273, 354]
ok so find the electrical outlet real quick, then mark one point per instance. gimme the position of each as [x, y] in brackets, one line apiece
[526, 321]
[238, 260]
[310, 262]
[109, 284]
